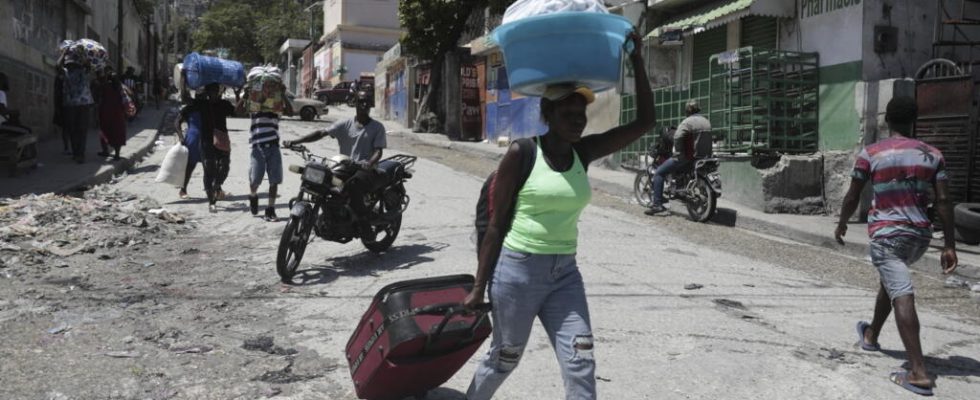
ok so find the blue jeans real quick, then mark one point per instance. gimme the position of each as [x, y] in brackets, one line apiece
[668, 167]
[548, 287]
[892, 256]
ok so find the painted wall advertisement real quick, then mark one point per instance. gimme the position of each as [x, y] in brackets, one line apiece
[470, 119]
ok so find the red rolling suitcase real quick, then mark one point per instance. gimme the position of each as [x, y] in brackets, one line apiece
[414, 337]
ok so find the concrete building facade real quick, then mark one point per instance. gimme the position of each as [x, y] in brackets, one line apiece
[32, 29]
[864, 52]
[356, 34]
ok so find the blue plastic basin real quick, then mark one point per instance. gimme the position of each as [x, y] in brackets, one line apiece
[204, 70]
[581, 47]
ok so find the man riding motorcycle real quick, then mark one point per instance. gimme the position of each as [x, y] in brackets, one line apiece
[684, 137]
[362, 139]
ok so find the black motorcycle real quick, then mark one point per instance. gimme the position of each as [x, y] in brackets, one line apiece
[322, 206]
[698, 186]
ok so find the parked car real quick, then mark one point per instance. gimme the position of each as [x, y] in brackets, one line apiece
[308, 109]
[338, 94]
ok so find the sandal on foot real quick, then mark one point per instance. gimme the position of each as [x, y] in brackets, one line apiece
[253, 204]
[901, 378]
[182, 194]
[861, 327]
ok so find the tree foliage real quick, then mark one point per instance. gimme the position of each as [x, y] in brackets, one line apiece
[253, 30]
[434, 27]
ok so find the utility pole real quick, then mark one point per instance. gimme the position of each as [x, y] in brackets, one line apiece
[119, 35]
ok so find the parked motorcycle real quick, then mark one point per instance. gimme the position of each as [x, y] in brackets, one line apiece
[322, 206]
[698, 187]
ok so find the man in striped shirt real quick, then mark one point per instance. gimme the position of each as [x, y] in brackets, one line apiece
[265, 159]
[902, 172]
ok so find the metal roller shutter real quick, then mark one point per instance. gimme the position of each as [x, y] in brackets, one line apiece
[759, 32]
[707, 44]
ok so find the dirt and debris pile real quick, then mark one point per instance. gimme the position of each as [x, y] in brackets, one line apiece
[43, 229]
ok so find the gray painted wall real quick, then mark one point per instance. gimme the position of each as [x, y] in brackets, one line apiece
[915, 21]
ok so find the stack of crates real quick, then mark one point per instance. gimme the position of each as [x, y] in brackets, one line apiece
[764, 101]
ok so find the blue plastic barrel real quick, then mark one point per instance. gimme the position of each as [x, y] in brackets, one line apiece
[204, 70]
[581, 47]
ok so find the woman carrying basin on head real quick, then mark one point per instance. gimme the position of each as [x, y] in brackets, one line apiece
[531, 261]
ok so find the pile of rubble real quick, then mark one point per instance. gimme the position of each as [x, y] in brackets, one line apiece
[39, 228]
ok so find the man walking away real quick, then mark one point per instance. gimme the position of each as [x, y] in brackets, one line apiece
[901, 171]
[684, 137]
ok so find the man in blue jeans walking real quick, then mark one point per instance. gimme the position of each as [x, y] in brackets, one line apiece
[684, 136]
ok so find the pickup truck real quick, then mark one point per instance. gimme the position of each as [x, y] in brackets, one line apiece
[337, 94]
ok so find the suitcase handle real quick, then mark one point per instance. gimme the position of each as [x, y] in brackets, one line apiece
[449, 310]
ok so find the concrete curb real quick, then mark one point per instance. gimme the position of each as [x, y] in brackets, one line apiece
[131, 157]
[928, 263]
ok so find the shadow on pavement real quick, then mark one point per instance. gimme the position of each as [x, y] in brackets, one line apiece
[445, 394]
[725, 216]
[367, 263]
[952, 366]
[144, 168]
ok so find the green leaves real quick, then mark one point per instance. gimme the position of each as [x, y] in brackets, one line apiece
[434, 27]
[253, 30]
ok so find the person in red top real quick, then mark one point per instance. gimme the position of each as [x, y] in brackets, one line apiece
[112, 115]
[902, 172]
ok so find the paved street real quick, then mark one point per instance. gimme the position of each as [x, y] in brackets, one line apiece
[761, 327]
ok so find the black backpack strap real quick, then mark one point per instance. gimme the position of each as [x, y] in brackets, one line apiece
[583, 155]
[529, 152]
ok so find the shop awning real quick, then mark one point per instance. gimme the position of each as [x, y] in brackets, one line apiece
[725, 12]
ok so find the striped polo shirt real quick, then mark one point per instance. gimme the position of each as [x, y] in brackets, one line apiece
[902, 172]
[265, 128]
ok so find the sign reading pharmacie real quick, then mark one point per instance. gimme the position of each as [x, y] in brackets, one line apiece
[813, 8]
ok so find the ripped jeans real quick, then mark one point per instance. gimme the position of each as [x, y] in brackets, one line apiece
[549, 287]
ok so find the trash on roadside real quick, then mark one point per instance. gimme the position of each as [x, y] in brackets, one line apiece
[198, 349]
[953, 282]
[122, 354]
[59, 329]
[693, 286]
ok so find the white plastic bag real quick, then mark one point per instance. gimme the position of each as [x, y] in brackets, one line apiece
[529, 8]
[174, 166]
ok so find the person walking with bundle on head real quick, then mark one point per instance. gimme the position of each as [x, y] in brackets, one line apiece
[529, 262]
[77, 100]
[902, 172]
[265, 159]
[213, 112]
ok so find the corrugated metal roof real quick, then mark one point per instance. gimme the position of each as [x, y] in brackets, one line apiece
[727, 12]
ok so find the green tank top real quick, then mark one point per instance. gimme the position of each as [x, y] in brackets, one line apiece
[548, 207]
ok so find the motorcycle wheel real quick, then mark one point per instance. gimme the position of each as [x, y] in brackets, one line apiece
[703, 202]
[642, 188]
[391, 202]
[292, 245]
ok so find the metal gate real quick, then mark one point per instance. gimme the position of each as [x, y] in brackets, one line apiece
[948, 121]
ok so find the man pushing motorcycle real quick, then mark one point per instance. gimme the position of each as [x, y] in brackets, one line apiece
[684, 137]
[362, 139]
